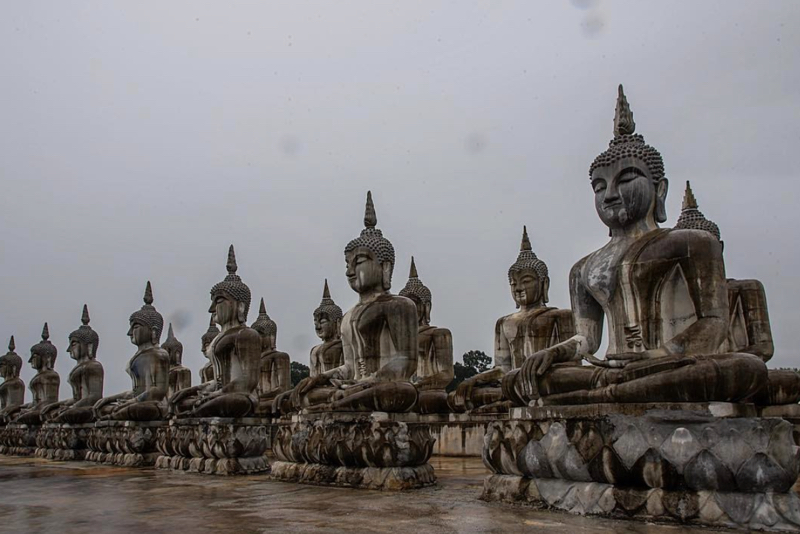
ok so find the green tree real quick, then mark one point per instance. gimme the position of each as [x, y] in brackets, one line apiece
[475, 361]
[299, 372]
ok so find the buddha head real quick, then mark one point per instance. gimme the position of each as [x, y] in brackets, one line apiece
[230, 299]
[173, 347]
[210, 334]
[146, 323]
[266, 327]
[369, 257]
[83, 342]
[628, 178]
[43, 354]
[327, 317]
[692, 218]
[10, 363]
[420, 294]
[528, 277]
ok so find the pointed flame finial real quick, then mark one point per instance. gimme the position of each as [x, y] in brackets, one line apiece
[11, 345]
[85, 315]
[370, 217]
[526, 242]
[45, 333]
[689, 201]
[170, 333]
[326, 293]
[262, 309]
[231, 265]
[412, 272]
[623, 116]
[148, 294]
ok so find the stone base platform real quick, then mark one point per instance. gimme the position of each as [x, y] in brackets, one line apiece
[459, 434]
[62, 441]
[18, 440]
[790, 412]
[124, 443]
[368, 450]
[714, 464]
[215, 446]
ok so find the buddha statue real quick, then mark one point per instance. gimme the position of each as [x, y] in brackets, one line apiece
[325, 356]
[379, 336]
[207, 371]
[12, 390]
[662, 293]
[535, 326]
[44, 384]
[235, 352]
[180, 377]
[435, 349]
[86, 378]
[275, 377]
[749, 327]
[148, 369]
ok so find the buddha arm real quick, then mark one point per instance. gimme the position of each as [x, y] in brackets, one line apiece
[704, 271]
[93, 384]
[443, 350]
[401, 320]
[248, 350]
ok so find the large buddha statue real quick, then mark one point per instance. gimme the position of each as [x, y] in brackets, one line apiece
[435, 356]
[12, 390]
[86, 378]
[45, 383]
[662, 293]
[207, 371]
[325, 356]
[148, 369]
[235, 352]
[749, 328]
[180, 377]
[275, 376]
[535, 326]
[379, 336]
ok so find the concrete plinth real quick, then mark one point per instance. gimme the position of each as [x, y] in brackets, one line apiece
[124, 443]
[215, 446]
[713, 464]
[369, 450]
[62, 441]
[18, 440]
[458, 434]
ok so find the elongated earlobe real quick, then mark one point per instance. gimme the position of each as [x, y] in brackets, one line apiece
[545, 290]
[661, 200]
[387, 275]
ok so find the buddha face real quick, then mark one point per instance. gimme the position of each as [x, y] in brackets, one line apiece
[625, 193]
[36, 360]
[175, 356]
[7, 369]
[226, 309]
[365, 273]
[324, 327]
[269, 341]
[75, 349]
[140, 333]
[527, 289]
[423, 310]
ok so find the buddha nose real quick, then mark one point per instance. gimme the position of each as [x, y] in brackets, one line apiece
[612, 192]
[213, 307]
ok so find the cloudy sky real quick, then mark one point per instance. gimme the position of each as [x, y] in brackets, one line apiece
[140, 139]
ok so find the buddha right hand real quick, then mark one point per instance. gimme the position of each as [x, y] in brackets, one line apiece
[533, 367]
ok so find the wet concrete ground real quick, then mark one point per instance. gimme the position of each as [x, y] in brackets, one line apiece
[39, 496]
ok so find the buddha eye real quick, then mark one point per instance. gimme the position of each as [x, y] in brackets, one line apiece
[599, 185]
[631, 173]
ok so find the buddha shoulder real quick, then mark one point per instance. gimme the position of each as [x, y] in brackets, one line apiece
[681, 243]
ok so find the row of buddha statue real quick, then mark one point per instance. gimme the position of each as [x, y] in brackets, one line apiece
[679, 330]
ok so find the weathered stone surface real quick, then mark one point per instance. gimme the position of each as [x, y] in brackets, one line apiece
[668, 449]
[377, 450]
[458, 434]
[63, 441]
[215, 446]
[12, 389]
[18, 439]
[123, 443]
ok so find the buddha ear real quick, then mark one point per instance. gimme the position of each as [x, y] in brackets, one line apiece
[387, 275]
[241, 313]
[546, 290]
[662, 186]
[427, 312]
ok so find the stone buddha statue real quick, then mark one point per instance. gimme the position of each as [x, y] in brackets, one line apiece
[86, 378]
[535, 326]
[379, 336]
[749, 327]
[235, 353]
[12, 390]
[435, 353]
[662, 293]
[180, 377]
[44, 384]
[207, 371]
[325, 356]
[275, 376]
[148, 369]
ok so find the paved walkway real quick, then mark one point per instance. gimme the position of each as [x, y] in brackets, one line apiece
[38, 496]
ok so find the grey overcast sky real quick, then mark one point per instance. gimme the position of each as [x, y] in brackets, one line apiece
[140, 139]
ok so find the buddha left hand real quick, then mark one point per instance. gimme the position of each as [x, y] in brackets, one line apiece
[535, 366]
